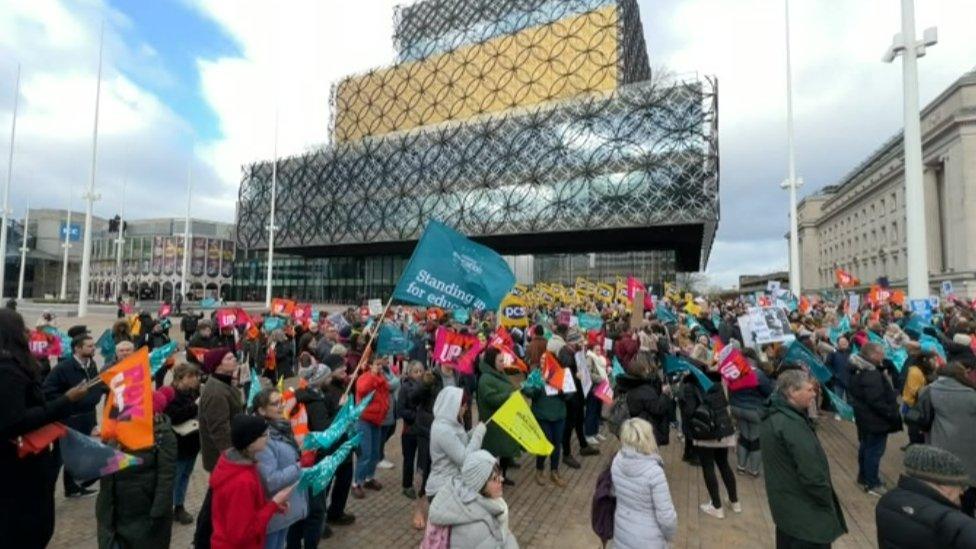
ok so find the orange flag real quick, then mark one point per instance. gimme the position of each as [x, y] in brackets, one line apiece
[552, 371]
[282, 307]
[128, 416]
[198, 353]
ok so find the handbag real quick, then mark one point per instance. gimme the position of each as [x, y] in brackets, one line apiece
[39, 440]
[436, 537]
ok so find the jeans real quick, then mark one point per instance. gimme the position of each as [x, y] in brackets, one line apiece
[181, 478]
[276, 539]
[591, 419]
[339, 490]
[554, 433]
[308, 531]
[369, 448]
[574, 422]
[869, 452]
[710, 458]
[786, 541]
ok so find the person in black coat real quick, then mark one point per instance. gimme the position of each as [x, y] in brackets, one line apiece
[335, 397]
[647, 400]
[922, 512]
[407, 410]
[79, 368]
[27, 497]
[182, 408]
[155, 338]
[320, 415]
[575, 402]
[876, 414]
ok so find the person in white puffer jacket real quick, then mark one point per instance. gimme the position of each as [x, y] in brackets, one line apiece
[645, 517]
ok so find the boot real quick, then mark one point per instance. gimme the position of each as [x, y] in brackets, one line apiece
[557, 480]
[181, 516]
[540, 477]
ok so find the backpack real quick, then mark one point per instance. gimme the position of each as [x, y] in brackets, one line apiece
[619, 413]
[603, 506]
[711, 419]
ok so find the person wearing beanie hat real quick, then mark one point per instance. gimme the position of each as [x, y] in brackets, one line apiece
[923, 510]
[315, 375]
[473, 507]
[239, 509]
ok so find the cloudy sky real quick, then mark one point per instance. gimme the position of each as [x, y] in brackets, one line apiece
[191, 87]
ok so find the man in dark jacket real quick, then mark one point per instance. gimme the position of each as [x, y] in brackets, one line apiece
[646, 400]
[922, 512]
[319, 418]
[188, 324]
[202, 339]
[79, 368]
[876, 414]
[801, 497]
[575, 402]
[336, 515]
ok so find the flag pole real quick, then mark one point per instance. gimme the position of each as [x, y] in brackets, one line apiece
[6, 192]
[67, 247]
[372, 335]
[119, 242]
[91, 196]
[23, 255]
[271, 223]
[186, 227]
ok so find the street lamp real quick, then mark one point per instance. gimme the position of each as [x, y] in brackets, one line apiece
[792, 182]
[90, 196]
[6, 192]
[904, 43]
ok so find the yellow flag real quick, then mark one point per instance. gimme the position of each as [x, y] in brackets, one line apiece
[516, 419]
[692, 308]
[135, 326]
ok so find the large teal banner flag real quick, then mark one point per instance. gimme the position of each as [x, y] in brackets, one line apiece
[450, 271]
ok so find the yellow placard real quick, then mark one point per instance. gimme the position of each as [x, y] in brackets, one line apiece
[515, 418]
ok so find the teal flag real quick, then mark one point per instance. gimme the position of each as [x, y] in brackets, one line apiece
[392, 341]
[917, 323]
[461, 315]
[208, 303]
[65, 340]
[931, 345]
[534, 380]
[344, 421]
[693, 324]
[158, 356]
[798, 353]
[843, 326]
[318, 476]
[273, 323]
[616, 370]
[448, 270]
[844, 410]
[589, 321]
[86, 458]
[674, 364]
[106, 345]
[254, 389]
[664, 315]
[898, 356]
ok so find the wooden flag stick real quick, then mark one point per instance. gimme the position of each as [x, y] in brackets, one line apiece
[366, 354]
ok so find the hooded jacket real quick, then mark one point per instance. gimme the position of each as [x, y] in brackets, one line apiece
[476, 522]
[240, 512]
[279, 468]
[645, 517]
[449, 443]
[917, 516]
[874, 400]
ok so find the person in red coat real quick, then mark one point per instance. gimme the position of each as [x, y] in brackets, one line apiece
[239, 508]
[370, 381]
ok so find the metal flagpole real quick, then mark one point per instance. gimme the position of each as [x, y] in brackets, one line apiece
[6, 191]
[23, 256]
[119, 243]
[90, 196]
[187, 233]
[792, 182]
[67, 246]
[271, 225]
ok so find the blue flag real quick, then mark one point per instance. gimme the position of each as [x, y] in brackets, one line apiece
[589, 321]
[158, 356]
[450, 271]
[392, 341]
[798, 353]
[664, 315]
[674, 364]
[106, 345]
[844, 410]
[273, 323]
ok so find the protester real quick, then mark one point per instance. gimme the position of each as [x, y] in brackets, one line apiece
[336, 515]
[876, 415]
[220, 401]
[188, 324]
[183, 413]
[536, 347]
[241, 510]
[596, 361]
[407, 410]
[279, 466]
[449, 443]
[27, 497]
[422, 400]
[79, 368]
[923, 510]
[471, 504]
[838, 362]
[203, 338]
[801, 498]
[134, 509]
[494, 389]
[747, 406]
[310, 530]
[953, 402]
[646, 398]
[919, 375]
[549, 411]
[575, 402]
[369, 425]
[388, 427]
[645, 516]
[713, 434]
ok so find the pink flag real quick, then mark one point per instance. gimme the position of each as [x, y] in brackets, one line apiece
[735, 369]
[451, 348]
[634, 286]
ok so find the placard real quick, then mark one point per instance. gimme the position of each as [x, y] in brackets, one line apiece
[375, 307]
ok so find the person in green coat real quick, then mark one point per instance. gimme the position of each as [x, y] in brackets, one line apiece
[135, 505]
[494, 388]
[801, 497]
[550, 412]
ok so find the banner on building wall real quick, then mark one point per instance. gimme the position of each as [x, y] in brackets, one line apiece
[178, 268]
[227, 262]
[198, 256]
[157, 255]
[169, 255]
[213, 257]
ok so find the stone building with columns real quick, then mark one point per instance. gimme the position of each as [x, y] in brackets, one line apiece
[858, 224]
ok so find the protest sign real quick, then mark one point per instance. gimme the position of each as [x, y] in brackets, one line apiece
[853, 302]
[922, 308]
[773, 287]
[128, 414]
[946, 287]
[583, 367]
[449, 270]
[375, 307]
[604, 392]
[564, 317]
[589, 322]
[392, 341]
[768, 325]
[516, 418]
[302, 313]
[273, 323]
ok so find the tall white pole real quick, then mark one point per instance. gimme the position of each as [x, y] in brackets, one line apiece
[119, 244]
[90, 196]
[187, 233]
[918, 256]
[6, 190]
[271, 225]
[792, 183]
[23, 256]
[67, 247]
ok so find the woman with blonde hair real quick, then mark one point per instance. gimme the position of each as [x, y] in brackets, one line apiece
[644, 516]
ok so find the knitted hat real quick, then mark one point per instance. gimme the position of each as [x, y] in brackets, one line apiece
[935, 465]
[162, 397]
[213, 358]
[245, 429]
[315, 374]
[477, 469]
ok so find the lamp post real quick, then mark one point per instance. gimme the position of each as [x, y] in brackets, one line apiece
[271, 224]
[90, 196]
[119, 243]
[186, 229]
[792, 182]
[23, 256]
[6, 191]
[905, 44]
[67, 247]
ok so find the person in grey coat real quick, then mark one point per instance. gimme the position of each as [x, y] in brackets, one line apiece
[449, 443]
[279, 467]
[471, 504]
[645, 517]
[953, 402]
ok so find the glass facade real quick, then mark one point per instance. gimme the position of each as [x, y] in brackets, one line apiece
[652, 267]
